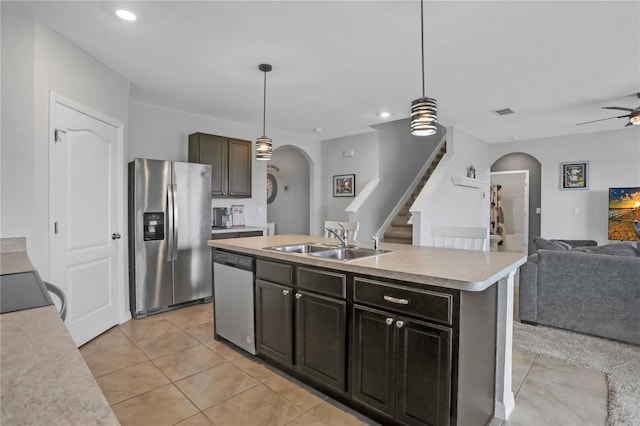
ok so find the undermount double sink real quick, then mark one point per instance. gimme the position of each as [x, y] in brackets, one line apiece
[328, 251]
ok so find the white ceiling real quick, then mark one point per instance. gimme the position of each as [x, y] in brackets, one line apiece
[337, 64]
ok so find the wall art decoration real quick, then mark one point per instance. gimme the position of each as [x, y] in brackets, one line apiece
[344, 186]
[574, 175]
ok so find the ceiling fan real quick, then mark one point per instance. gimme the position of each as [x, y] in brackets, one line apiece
[634, 115]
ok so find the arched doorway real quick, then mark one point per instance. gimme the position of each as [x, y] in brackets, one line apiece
[288, 186]
[519, 161]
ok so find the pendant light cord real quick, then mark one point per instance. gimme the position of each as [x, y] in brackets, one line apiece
[264, 105]
[421, 43]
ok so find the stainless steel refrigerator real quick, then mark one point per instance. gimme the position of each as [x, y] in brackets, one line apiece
[169, 225]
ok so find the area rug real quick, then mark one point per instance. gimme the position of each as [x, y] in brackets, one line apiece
[619, 361]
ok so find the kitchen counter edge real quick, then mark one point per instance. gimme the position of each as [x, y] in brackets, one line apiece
[425, 265]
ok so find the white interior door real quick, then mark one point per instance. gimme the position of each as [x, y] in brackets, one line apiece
[84, 206]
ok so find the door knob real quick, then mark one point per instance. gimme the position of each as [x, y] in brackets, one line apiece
[115, 236]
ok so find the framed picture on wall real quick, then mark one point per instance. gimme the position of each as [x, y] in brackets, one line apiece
[344, 185]
[574, 175]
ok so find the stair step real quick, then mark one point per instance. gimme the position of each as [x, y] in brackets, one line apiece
[397, 240]
[401, 221]
[398, 232]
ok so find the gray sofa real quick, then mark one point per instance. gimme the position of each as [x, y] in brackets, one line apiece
[579, 286]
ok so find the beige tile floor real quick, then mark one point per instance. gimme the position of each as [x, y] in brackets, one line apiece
[167, 370]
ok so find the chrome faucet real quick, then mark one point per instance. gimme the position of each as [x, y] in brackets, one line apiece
[376, 242]
[342, 237]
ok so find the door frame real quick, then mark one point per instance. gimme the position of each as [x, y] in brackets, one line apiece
[527, 216]
[121, 268]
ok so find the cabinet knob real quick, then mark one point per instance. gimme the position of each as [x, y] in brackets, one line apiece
[389, 321]
[115, 236]
[298, 295]
[399, 324]
[285, 292]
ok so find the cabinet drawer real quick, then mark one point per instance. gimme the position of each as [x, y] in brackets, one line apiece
[422, 303]
[325, 282]
[278, 273]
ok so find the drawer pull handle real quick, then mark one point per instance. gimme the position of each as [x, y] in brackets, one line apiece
[389, 321]
[285, 292]
[396, 300]
[399, 324]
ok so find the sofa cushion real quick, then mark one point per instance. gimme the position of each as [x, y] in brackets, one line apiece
[612, 249]
[544, 244]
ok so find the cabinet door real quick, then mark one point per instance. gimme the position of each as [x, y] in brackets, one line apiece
[274, 326]
[211, 149]
[240, 160]
[374, 359]
[321, 338]
[423, 384]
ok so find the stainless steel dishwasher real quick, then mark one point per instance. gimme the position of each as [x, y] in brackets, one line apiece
[233, 299]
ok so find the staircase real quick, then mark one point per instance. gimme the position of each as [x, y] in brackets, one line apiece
[400, 231]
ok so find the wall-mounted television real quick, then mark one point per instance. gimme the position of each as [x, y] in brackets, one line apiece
[624, 214]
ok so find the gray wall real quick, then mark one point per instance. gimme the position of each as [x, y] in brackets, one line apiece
[390, 153]
[401, 157]
[363, 163]
[614, 160]
[522, 161]
[290, 210]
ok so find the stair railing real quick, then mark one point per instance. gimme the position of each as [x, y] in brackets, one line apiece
[360, 199]
[387, 223]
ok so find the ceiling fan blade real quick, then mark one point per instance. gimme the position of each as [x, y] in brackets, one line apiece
[619, 108]
[602, 119]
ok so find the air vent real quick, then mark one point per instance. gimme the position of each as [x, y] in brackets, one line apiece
[504, 111]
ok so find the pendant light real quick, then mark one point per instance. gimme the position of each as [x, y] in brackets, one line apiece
[424, 111]
[263, 143]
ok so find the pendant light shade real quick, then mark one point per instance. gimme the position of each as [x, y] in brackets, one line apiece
[264, 148]
[424, 110]
[424, 115]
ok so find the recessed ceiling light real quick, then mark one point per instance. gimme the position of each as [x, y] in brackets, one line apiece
[126, 15]
[384, 114]
[317, 129]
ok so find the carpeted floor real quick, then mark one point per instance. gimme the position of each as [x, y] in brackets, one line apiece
[619, 361]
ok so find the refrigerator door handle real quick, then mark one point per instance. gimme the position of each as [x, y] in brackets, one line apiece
[175, 222]
[170, 239]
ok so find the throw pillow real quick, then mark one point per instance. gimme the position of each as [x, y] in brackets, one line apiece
[543, 244]
[566, 246]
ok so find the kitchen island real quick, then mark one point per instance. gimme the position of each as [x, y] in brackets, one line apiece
[452, 311]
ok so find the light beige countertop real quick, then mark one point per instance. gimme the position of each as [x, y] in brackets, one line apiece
[459, 269]
[44, 379]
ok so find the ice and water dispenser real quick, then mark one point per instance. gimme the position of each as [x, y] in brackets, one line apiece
[153, 226]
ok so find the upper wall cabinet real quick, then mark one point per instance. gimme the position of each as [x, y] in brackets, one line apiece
[230, 161]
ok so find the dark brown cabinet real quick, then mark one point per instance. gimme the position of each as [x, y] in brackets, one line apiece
[403, 353]
[303, 316]
[274, 316]
[230, 160]
[321, 338]
[401, 367]
[274, 321]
